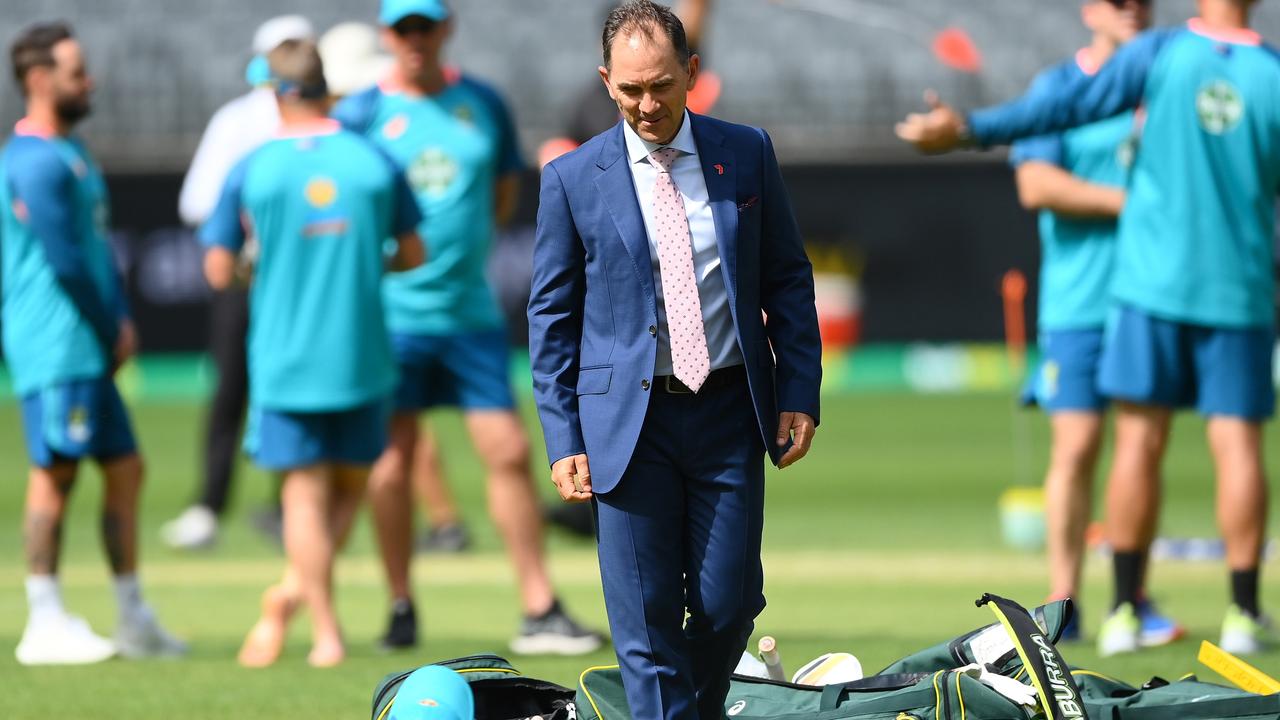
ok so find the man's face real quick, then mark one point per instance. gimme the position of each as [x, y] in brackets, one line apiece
[66, 82]
[415, 41]
[1118, 21]
[649, 83]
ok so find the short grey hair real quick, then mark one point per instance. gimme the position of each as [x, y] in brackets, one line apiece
[647, 17]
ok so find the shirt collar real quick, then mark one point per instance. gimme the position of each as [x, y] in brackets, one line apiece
[639, 149]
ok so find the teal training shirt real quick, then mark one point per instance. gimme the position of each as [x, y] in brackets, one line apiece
[321, 202]
[454, 147]
[1077, 254]
[62, 300]
[1195, 239]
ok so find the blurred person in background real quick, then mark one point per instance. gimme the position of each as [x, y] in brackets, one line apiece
[321, 201]
[67, 330]
[237, 128]
[353, 62]
[661, 247]
[1076, 181]
[1193, 322]
[454, 135]
[352, 59]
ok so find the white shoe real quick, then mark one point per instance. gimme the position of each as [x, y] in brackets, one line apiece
[141, 636]
[195, 529]
[1245, 634]
[62, 639]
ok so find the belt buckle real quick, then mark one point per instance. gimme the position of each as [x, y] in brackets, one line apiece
[676, 387]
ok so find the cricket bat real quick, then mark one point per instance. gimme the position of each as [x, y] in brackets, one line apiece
[772, 662]
[1240, 673]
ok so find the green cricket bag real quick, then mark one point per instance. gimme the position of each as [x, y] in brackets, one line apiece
[1106, 698]
[938, 691]
[500, 691]
[944, 695]
[990, 645]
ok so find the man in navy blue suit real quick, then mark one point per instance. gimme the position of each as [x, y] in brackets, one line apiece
[660, 386]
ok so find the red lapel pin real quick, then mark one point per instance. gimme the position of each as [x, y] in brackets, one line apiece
[719, 168]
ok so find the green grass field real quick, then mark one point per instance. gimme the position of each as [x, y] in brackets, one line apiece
[876, 544]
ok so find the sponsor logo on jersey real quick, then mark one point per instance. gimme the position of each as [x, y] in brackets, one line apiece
[1219, 106]
[395, 127]
[736, 708]
[321, 192]
[432, 172]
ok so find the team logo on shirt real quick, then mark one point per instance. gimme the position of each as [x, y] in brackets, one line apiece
[395, 127]
[78, 430]
[1219, 106]
[1126, 151]
[464, 113]
[1049, 379]
[321, 192]
[432, 172]
[20, 211]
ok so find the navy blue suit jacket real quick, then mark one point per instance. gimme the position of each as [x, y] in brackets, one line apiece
[592, 302]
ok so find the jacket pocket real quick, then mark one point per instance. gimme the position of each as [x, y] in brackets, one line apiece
[594, 380]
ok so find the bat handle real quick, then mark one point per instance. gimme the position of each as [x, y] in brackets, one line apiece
[768, 648]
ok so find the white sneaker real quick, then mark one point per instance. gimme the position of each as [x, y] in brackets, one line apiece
[140, 636]
[1245, 634]
[195, 529]
[62, 639]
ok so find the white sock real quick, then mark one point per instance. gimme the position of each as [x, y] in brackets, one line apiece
[44, 597]
[129, 595]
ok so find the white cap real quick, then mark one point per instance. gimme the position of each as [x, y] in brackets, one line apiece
[351, 56]
[271, 33]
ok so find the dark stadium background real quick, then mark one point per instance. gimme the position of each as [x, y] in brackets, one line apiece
[932, 239]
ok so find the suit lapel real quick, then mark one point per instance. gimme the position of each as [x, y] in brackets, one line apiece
[618, 190]
[719, 168]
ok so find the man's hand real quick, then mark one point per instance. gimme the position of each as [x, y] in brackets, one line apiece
[937, 131]
[799, 428]
[126, 345]
[572, 477]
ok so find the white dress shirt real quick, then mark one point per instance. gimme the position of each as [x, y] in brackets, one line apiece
[686, 172]
[235, 130]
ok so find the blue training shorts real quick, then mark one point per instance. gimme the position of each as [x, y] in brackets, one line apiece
[1218, 371]
[282, 440]
[465, 370]
[1067, 380]
[77, 419]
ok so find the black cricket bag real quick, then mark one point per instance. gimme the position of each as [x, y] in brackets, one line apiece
[500, 691]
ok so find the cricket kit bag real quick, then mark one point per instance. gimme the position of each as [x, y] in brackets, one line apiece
[1027, 679]
[1106, 698]
[500, 691]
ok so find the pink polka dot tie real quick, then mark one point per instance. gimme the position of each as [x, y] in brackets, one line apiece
[690, 360]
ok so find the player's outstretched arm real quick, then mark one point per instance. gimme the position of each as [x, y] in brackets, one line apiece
[1117, 87]
[1045, 186]
[940, 130]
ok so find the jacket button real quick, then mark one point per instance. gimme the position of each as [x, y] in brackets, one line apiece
[644, 384]
[653, 330]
